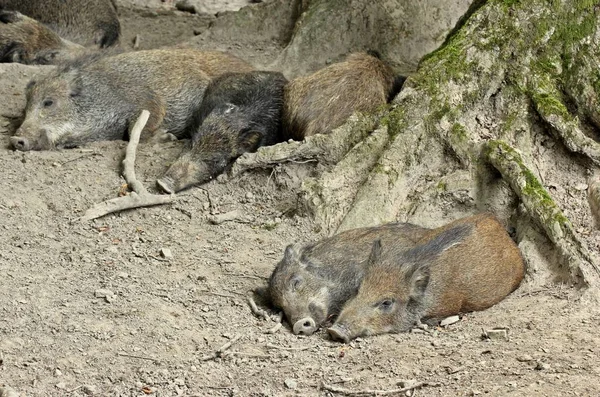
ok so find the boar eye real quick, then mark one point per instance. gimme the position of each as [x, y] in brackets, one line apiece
[386, 305]
[295, 282]
[230, 107]
[47, 103]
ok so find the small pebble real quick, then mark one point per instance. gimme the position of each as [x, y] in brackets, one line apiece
[166, 253]
[540, 366]
[290, 384]
[107, 294]
[61, 385]
[496, 334]
[6, 391]
[249, 196]
[90, 390]
[407, 383]
[179, 382]
[449, 321]
[57, 372]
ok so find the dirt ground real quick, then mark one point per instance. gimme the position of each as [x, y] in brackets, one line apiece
[137, 303]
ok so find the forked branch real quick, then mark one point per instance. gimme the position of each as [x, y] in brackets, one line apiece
[139, 197]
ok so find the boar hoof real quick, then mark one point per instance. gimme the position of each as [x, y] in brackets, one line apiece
[166, 185]
[339, 334]
[305, 326]
[20, 143]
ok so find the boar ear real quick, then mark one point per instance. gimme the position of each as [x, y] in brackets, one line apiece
[375, 252]
[419, 280]
[30, 84]
[249, 140]
[291, 254]
[438, 244]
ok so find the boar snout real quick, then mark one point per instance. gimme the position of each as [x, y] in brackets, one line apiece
[20, 143]
[339, 333]
[305, 326]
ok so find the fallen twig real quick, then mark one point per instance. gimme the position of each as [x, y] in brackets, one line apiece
[74, 389]
[246, 354]
[256, 311]
[138, 357]
[90, 154]
[210, 203]
[347, 392]
[139, 197]
[226, 217]
[219, 352]
[221, 295]
[250, 276]
[270, 346]
[278, 324]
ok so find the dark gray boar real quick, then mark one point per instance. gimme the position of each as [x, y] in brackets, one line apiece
[86, 22]
[312, 282]
[240, 112]
[25, 40]
[467, 265]
[96, 98]
[324, 100]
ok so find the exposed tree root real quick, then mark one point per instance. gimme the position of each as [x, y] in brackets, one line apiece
[543, 210]
[594, 197]
[331, 195]
[565, 126]
[139, 197]
[398, 172]
[326, 148]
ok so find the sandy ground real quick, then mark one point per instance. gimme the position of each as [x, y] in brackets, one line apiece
[137, 303]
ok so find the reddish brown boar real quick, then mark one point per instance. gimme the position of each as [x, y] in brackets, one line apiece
[324, 100]
[467, 265]
[312, 282]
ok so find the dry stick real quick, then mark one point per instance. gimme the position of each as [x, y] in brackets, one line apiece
[220, 350]
[139, 197]
[270, 346]
[81, 157]
[138, 357]
[246, 354]
[341, 390]
[256, 311]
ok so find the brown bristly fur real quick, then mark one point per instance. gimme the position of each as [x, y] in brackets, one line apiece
[323, 100]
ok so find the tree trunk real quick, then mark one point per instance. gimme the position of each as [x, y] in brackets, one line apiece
[503, 117]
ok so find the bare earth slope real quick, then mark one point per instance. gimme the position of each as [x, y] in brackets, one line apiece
[136, 303]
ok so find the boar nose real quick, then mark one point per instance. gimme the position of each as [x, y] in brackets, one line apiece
[338, 333]
[20, 143]
[305, 326]
[166, 185]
